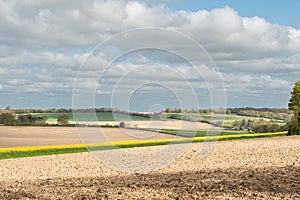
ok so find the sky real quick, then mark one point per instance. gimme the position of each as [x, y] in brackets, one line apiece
[275, 11]
[148, 55]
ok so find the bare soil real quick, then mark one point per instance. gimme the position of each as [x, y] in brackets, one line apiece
[16, 136]
[158, 124]
[171, 124]
[264, 168]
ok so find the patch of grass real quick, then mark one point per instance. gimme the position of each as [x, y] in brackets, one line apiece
[214, 116]
[86, 116]
[18, 152]
[199, 133]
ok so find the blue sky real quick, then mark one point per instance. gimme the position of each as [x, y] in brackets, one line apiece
[276, 11]
[254, 44]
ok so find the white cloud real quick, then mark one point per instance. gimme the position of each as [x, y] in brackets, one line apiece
[42, 44]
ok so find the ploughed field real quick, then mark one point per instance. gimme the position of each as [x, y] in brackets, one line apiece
[262, 168]
[18, 136]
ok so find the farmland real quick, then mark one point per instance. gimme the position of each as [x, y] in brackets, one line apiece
[43, 136]
[158, 100]
[264, 168]
[109, 117]
[85, 116]
[46, 159]
[228, 120]
[32, 141]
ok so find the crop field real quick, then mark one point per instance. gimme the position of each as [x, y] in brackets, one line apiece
[58, 165]
[16, 152]
[20, 136]
[198, 133]
[32, 141]
[172, 124]
[112, 119]
[85, 116]
[52, 163]
[228, 120]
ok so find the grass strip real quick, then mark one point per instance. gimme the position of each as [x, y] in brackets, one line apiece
[198, 133]
[17, 152]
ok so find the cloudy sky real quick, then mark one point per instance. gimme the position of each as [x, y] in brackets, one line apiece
[142, 55]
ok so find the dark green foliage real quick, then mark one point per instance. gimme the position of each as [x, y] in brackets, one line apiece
[63, 119]
[101, 116]
[23, 119]
[122, 125]
[258, 126]
[31, 120]
[265, 114]
[262, 127]
[294, 105]
[7, 117]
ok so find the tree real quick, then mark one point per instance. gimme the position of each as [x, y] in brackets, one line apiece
[228, 112]
[7, 117]
[122, 125]
[63, 119]
[23, 119]
[294, 105]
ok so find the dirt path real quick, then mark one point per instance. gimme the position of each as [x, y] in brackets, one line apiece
[265, 168]
[14, 136]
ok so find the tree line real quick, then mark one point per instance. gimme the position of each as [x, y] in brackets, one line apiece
[9, 117]
[266, 114]
[82, 110]
[270, 113]
[258, 126]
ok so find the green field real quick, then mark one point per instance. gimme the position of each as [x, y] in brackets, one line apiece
[228, 120]
[200, 133]
[85, 116]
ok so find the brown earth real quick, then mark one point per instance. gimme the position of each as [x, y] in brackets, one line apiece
[172, 124]
[17, 136]
[265, 168]
[168, 124]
